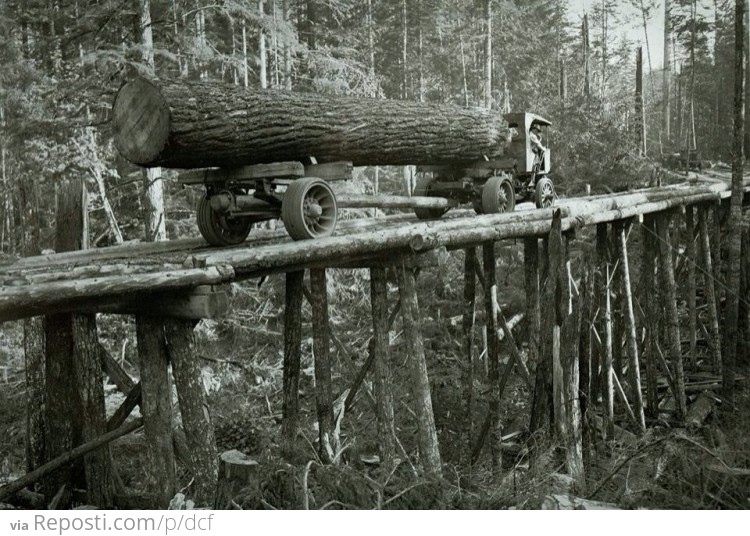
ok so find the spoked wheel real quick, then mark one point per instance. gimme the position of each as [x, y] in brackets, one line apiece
[544, 193]
[422, 189]
[498, 195]
[308, 209]
[221, 229]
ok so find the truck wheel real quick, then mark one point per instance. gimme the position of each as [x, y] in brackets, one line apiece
[498, 195]
[544, 193]
[422, 189]
[308, 209]
[220, 229]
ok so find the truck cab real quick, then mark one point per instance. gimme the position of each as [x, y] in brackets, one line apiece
[520, 148]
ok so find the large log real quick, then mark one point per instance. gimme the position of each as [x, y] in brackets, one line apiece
[190, 125]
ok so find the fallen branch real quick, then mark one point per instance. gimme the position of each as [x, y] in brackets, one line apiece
[68, 457]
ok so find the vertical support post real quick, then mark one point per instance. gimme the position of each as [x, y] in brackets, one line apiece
[292, 357]
[196, 417]
[631, 333]
[541, 405]
[383, 373]
[571, 388]
[691, 290]
[469, 319]
[88, 370]
[607, 366]
[648, 275]
[617, 289]
[429, 450]
[559, 280]
[321, 351]
[490, 303]
[716, 251]
[607, 385]
[670, 302]
[36, 395]
[744, 320]
[597, 297]
[603, 381]
[585, 356]
[63, 419]
[531, 280]
[156, 406]
[710, 289]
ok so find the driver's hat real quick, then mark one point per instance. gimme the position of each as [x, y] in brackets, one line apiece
[536, 127]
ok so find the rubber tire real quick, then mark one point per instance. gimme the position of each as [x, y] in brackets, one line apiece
[293, 209]
[544, 193]
[494, 188]
[215, 228]
[422, 189]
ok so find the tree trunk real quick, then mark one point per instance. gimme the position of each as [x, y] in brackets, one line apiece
[634, 365]
[571, 389]
[607, 371]
[710, 288]
[156, 406]
[493, 359]
[383, 374]
[669, 286]
[196, 417]
[488, 54]
[63, 403]
[734, 224]
[88, 369]
[468, 323]
[262, 56]
[156, 229]
[321, 351]
[667, 73]
[650, 320]
[34, 345]
[586, 67]
[640, 117]
[429, 451]
[691, 287]
[292, 356]
[188, 125]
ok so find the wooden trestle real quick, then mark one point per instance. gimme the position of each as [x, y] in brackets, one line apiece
[575, 329]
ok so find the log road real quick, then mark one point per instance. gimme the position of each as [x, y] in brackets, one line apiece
[90, 279]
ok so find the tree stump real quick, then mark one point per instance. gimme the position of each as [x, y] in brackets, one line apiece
[237, 471]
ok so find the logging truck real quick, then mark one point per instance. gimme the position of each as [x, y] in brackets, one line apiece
[268, 154]
[492, 186]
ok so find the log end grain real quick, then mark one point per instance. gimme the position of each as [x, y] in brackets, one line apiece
[141, 121]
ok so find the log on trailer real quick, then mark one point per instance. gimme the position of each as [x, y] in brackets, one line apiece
[189, 125]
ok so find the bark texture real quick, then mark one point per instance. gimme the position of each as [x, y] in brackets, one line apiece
[88, 371]
[196, 417]
[156, 406]
[322, 351]
[292, 356]
[429, 451]
[188, 125]
[383, 373]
